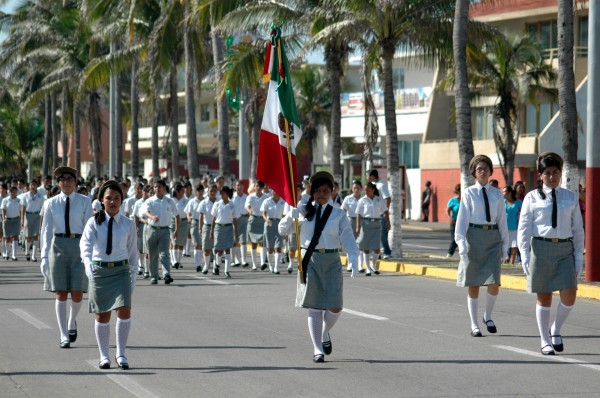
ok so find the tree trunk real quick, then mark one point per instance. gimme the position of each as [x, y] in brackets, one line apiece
[55, 162]
[253, 118]
[47, 138]
[155, 121]
[222, 106]
[462, 104]
[566, 95]
[173, 113]
[77, 137]
[333, 57]
[118, 126]
[135, 126]
[190, 107]
[94, 131]
[64, 109]
[391, 153]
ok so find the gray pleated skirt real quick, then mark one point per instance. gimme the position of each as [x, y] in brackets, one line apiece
[182, 231]
[110, 289]
[552, 267]
[370, 235]
[207, 242]
[242, 223]
[12, 227]
[65, 270]
[256, 229]
[272, 238]
[324, 283]
[195, 233]
[223, 236]
[484, 254]
[292, 244]
[32, 223]
[353, 226]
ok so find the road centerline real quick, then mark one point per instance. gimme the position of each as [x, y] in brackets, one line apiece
[365, 315]
[125, 382]
[27, 317]
[557, 358]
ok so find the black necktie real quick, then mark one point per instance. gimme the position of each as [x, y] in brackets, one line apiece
[318, 216]
[109, 236]
[67, 209]
[554, 210]
[488, 217]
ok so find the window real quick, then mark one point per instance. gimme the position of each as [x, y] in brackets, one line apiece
[408, 153]
[398, 74]
[537, 117]
[582, 37]
[483, 123]
[545, 33]
[204, 112]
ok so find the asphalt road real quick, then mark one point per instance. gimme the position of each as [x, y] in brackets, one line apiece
[402, 336]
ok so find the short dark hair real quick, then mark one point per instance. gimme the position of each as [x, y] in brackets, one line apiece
[374, 173]
[480, 159]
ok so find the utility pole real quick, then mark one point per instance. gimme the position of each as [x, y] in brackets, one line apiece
[112, 131]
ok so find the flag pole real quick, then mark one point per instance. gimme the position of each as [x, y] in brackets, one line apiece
[293, 179]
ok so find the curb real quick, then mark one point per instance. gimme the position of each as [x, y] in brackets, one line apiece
[512, 282]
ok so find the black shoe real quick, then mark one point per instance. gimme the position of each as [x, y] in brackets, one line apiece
[216, 271]
[264, 266]
[73, 334]
[65, 344]
[14, 259]
[187, 255]
[153, 281]
[205, 271]
[557, 347]
[327, 346]
[476, 333]
[547, 350]
[236, 265]
[104, 364]
[318, 358]
[490, 325]
[362, 270]
[122, 362]
[168, 280]
[198, 268]
[227, 274]
[289, 270]
[28, 258]
[146, 275]
[245, 265]
[140, 272]
[276, 272]
[176, 265]
[376, 272]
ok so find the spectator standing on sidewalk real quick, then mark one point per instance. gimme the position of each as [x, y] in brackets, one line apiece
[385, 195]
[482, 239]
[452, 211]
[426, 201]
[551, 244]
[513, 209]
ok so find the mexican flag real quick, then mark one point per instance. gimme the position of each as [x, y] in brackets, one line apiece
[276, 162]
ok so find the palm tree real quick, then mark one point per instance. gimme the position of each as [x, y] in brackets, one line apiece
[514, 72]
[566, 94]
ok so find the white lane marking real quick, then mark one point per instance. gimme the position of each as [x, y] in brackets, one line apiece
[29, 318]
[357, 313]
[124, 381]
[421, 246]
[558, 358]
[218, 282]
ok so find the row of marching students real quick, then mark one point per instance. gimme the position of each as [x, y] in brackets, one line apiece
[550, 238]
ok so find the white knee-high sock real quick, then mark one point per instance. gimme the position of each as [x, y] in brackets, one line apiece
[315, 328]
[140, 264]
[122, 330]
[206, 262]
[253, 254]
[277, 261]
[489, 306]
[33, 248]
[271, 260]
[26, 248]
[172, 254]
[263, 255]
[145, 263]
[472, 305]
[235, 257]
[74, 310]
[15, 244]
[227, 261]
[217, 261]
[178, 254]
[4, 252]
[198, 257]
[243, 250]
[374, 260]
[329, 319]
[61, 318]
[365, 258]
[542, 315]
[562, 312]
[103, 338]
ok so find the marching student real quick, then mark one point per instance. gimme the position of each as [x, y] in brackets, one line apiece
[3, 194]
[272, 210]
[224, 230]
[349, 205]
[140, 221]
[109, 252]
[240, 247]
[292, 245]
[206, 220]
[63, 218]
[11, 221]
[187, 188]
[178, 239]
[482, 238]
[160, 210]
[551, 241]
[31, 206]
[256, 224]
[369, 211]
[323, 230]
[193, 215]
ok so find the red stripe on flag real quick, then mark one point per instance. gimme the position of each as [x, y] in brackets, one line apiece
[273, 167]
